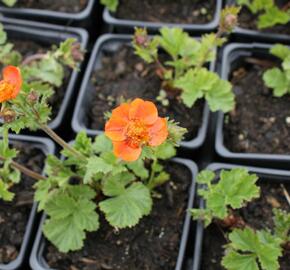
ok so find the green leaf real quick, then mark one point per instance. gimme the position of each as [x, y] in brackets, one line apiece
[234, 188]
[116, 185]
[102, 144]
[202, 214]
[5, 194]
[236, 261]
[172, 40]
[221, 96]
[194, 84]
[158, 180]
[138, 168]
[69, 219]
[43, 192]
[272, 17]
[276, 79]
[94, 166]
[260, 245]
[165, 151]
[111, 4]
[205, 177]
[282, 224]
[126, 209]
[9, 3]
[280, 51]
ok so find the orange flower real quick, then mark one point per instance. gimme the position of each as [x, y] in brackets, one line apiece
[133, 125]
[11, 83]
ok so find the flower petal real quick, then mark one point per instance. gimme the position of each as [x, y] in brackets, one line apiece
[12, 74]
[158, 132]
[143, 110]
[6, 91]
[116, 128]
[122, 111]
[125, 152]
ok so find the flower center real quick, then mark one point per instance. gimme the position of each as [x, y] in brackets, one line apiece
[137, 133]
[6, 90]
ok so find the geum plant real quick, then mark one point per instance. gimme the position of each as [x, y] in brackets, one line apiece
[269, 14]
[279, 78]
[116, 173]
[184, 73]
[246, 248]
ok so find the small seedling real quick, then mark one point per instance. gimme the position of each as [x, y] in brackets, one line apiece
[112, 5]
[279, 78]
[268, 13]
[185, 71]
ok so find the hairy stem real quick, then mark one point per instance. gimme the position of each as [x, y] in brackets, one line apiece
[32, 58]
[25, 170]
[60, 141]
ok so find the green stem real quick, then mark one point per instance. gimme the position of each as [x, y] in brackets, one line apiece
[60, 141]
[25, 170]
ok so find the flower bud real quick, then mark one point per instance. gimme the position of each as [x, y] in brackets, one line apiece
[77, 53]
[8, 115]
[32, 97]
[141, 37]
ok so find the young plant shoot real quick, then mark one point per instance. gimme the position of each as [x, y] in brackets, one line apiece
[9, 3]
[246, 248]
[185, 72]
[112, 5]
[114, 173]
[276, 78]
[268, 13]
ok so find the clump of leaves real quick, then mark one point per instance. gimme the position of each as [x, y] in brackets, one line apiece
[246, 248]
[9, 3]
[185, 70]
[112, 5]
[249, 249]
[234, 188]
[279, 78]
[268, 13]
[42, 74]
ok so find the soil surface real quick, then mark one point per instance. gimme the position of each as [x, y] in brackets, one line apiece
[258, 214]
[72, 6]
[125, 76]
[27, 48]
[261, 122]
[151, 245]
[248, 20]
[14, 215]
[167, 11]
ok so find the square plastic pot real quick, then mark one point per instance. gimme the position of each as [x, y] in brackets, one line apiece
[255, 35]
[47, 147]
[49, 34]
[123, 25]
[111, 43]
[269, 175]
[44, 15]
[37, 260]
[231, 54]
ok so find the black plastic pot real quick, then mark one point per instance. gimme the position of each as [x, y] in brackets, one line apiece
[81, 18]
[123, 25]
[47, 147]
[37, 260]
[255, 35]
[111, 42]
[231, 55]
[49, 34]
[269, 175]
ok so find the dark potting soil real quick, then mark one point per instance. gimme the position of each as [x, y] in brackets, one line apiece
[167, 11]
[248, 20]
[258, 214]
[14, 215]
[261, 122]
[124, 75]
[72, 6]
[153, 244]
[27, 48]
